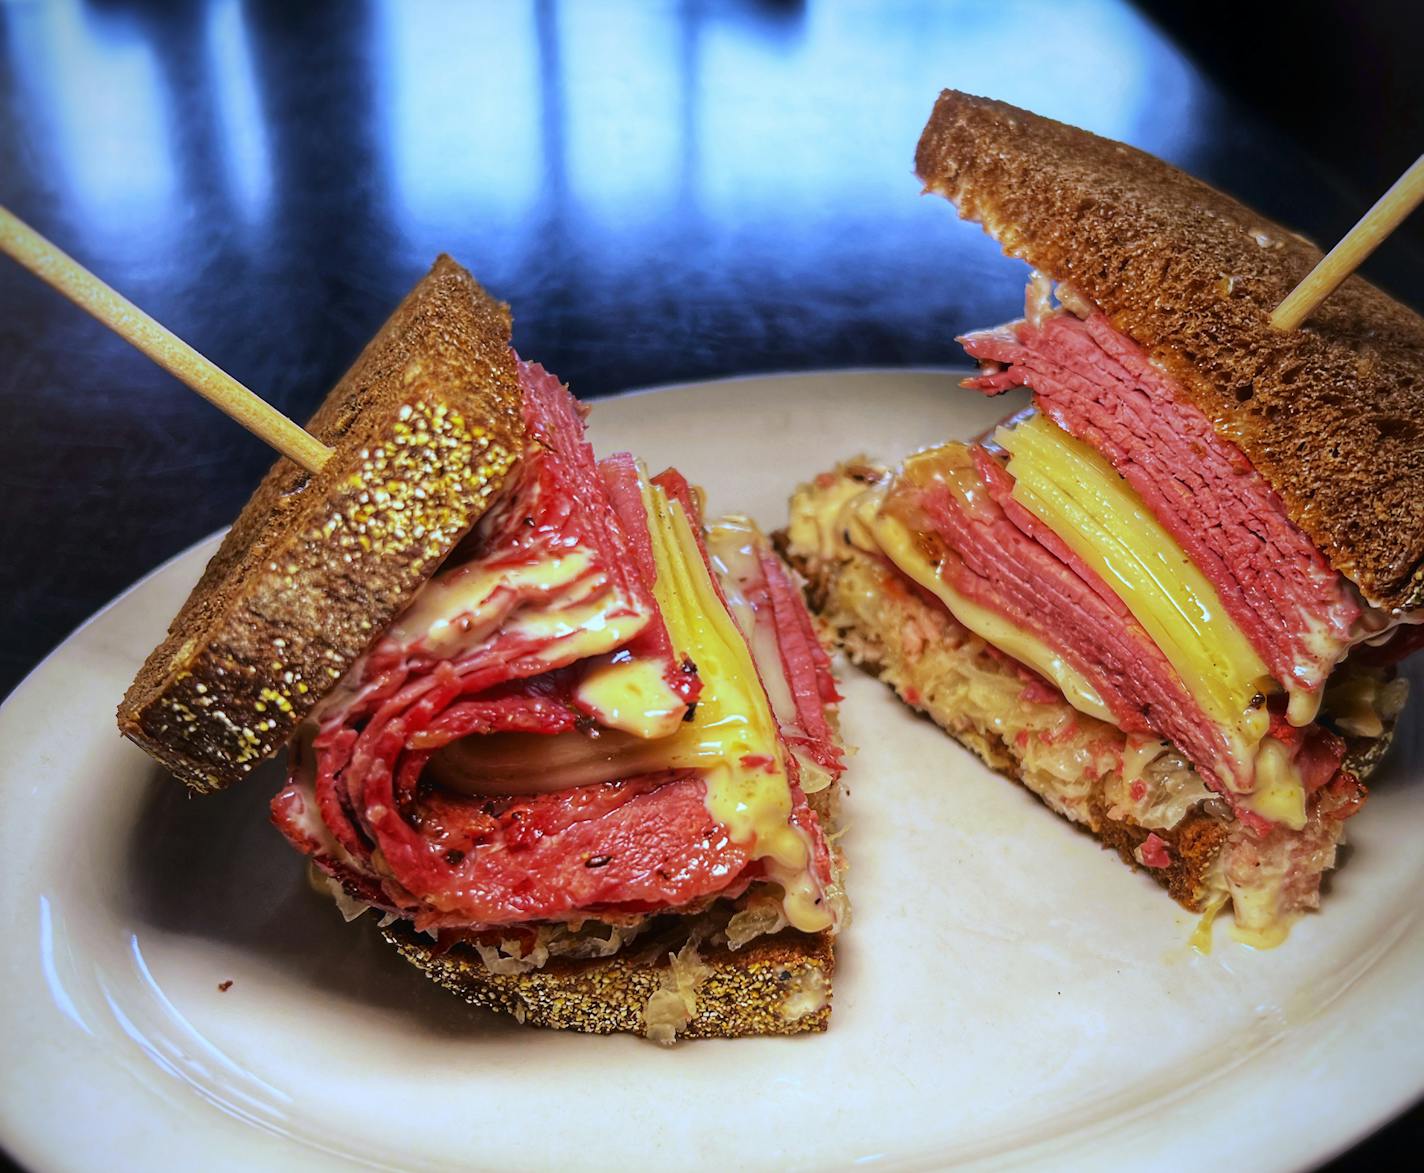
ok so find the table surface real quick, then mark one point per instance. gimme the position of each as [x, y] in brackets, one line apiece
[663, 194]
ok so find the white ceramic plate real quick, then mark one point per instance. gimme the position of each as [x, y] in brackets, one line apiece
[1009, 993]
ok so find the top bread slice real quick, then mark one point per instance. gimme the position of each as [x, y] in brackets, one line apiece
[424, 428]
[1331, 414]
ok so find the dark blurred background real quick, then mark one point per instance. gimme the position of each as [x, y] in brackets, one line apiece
[665, 192]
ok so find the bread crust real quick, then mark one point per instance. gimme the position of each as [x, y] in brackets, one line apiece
[1331, 414]
[424, 428]
[750, 991]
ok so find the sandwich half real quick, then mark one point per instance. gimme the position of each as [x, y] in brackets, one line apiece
[1169, 596]
[574, 747]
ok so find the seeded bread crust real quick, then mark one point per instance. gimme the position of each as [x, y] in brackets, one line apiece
[1331, 414]
[424, 428]
[752, 991]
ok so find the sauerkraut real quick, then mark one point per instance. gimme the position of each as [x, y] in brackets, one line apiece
[672, 1007]
[807, 993]
[1085, 769]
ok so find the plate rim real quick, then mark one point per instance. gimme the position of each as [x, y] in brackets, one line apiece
[1370, 1114]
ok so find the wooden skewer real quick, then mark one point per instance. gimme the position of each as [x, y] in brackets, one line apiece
[1347, 256]
[47, 262]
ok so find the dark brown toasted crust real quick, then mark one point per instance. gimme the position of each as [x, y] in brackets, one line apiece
[743, 995]
[1192, 846]
[424, 427]
[1332, 414]
[1363, 755]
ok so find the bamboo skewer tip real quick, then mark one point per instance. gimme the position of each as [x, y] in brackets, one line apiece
[57, 268]
[1389, 211]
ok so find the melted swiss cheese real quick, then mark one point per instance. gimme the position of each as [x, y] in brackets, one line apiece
[1073, 490]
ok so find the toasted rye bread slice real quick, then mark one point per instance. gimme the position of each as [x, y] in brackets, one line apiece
[778, 985]
[424, 427]
[1331, 414]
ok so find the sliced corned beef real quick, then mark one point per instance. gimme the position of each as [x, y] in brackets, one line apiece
[1000, 556]
[1096, 384]
[361, 802]
[1008, 563]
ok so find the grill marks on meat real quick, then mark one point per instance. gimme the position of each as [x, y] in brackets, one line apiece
[1099, 386]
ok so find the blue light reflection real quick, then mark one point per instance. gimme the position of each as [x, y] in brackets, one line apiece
[243, 132]
[105, 128]
[662, 191]
[57, 991]
[459, 90]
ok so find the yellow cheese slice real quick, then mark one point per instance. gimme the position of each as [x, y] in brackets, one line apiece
[733, 728]
[1073, 490]
[731, 735]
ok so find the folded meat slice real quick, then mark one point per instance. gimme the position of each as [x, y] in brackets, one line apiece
[793, 666]
[1100, 387]
[1007, 561]
[545, 580]
[950, 521]
[527, 742]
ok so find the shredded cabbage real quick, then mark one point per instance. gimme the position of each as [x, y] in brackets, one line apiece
[346, 904]
[814, 777]
[672, 1007]
[806, 995]
[762, 916]
[1364, 702]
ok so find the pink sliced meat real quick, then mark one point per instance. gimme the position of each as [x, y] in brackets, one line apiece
[574, 488]
[993, 561]
[1001, 556]
[359, 800]
[804, 663]
[620, 479]
[1001, 487]
[1096, 384]
[1314, 751]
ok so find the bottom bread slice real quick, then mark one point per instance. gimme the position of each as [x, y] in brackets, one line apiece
[671, 977]
[1160, 817]
[664, 988]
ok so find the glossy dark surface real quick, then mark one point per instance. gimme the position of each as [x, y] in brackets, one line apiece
[663, 194]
